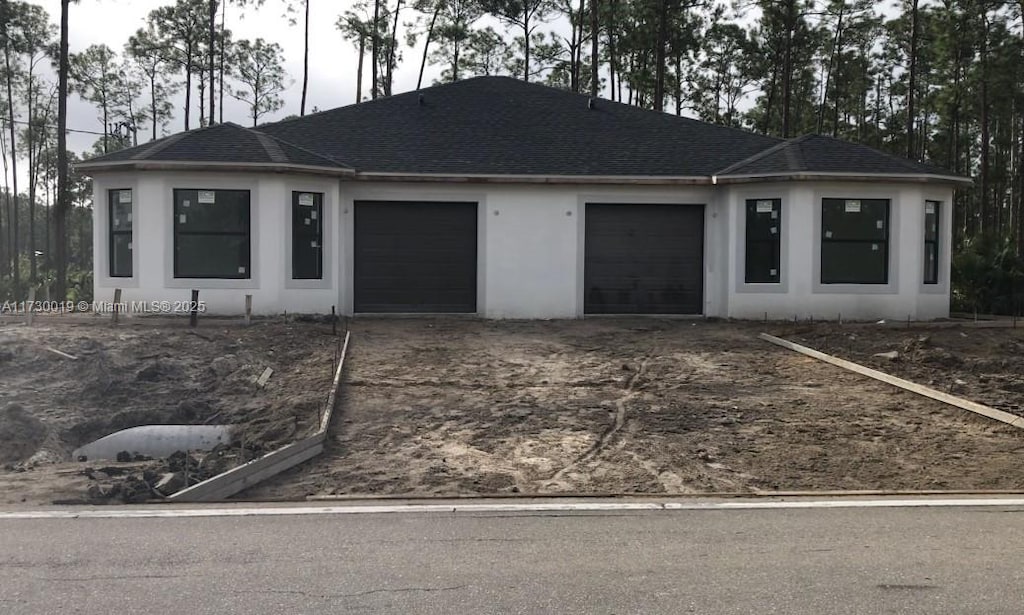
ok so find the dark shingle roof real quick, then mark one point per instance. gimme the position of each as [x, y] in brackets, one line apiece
[821, 154]
[220, 143]
[504, 126]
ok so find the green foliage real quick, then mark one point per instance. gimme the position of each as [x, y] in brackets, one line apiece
[988, 277]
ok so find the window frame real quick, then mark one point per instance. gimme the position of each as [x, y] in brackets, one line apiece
[297, 234]
[886, 241]
[931, 278]
[113, 233]
[176, 233]
[750, 208]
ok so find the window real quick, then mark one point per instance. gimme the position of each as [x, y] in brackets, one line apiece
[763, 241]
[307, 235]
[211, 234]
[931, 242]
[120, 221]
[854, 241]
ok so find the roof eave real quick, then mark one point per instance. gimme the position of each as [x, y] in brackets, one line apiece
[91, 168]
[841, 176]
[492, 178]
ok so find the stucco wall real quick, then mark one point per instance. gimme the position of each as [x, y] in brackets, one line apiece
[530, 246]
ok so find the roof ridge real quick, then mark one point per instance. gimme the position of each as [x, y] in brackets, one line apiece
[165, 142]
[273, 149]
[325, 157]
[754, 158]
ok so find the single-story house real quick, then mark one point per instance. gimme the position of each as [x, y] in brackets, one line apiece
[504, 199]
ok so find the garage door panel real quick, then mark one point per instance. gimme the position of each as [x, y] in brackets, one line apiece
[643, 259]
[413, 256]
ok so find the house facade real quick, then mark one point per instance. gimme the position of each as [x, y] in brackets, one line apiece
[509, 200]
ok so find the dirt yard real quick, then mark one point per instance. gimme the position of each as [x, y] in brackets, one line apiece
[148, 374]
[450, 407]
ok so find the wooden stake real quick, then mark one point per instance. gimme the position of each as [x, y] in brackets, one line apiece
[193, 318]
[31, 313]
[248, 310]
[334, 322]
[117, 306]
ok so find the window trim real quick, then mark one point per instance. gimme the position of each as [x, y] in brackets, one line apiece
[248, 234]
[295, 234]
[934, 244]
[886, 242]
[775, 242]
[112, 233]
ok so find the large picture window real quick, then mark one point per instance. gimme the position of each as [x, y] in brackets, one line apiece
[211, 234]
[120, 221]
[307, 235]
[931, 242]
[854, 241]
[763, 243]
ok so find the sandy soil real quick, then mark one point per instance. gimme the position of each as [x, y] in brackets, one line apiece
[449, 407]
[148, 374]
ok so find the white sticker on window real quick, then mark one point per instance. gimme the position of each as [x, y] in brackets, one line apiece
[117, 221]
[306, 199]
[128, 218]
[130, 245]
[929, 208]
[186, 203]
[305, 221]
[312, 214]
[241, 270]
[774, 230]
[775, 214]
[853, 207]
[874, 247]
[764, 207]
[772, 271]
[312, 244]
[125, 196]
[207, 196]
[828, 234]
[879, 224]
[181, 219]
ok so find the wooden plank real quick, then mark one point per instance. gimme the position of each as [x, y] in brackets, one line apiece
[62, 354]
[913, 387]
[264, 377]
[325, 421]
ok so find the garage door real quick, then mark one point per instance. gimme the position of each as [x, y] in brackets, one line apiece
[643, 259]
[413, 256]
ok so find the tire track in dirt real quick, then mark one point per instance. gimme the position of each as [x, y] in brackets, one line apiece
[617, 423]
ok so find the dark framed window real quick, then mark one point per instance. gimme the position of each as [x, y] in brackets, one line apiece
[931, 242]
[211, 234]
[307, 235]
[120, 222]
[763, 243]
[854, 241]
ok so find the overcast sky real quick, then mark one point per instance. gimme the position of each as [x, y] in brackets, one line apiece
[332, 60]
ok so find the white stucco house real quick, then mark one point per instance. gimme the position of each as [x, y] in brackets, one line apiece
[504, 199]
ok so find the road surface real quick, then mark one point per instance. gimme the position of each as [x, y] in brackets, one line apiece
[849, 560]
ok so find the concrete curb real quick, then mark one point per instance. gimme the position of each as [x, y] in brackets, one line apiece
[988, 412]
[238, 479]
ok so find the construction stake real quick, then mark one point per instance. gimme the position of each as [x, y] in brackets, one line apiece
[193, 318]
[117, 306]
[248, 310]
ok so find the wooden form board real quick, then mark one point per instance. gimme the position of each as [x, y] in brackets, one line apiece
[946, 398]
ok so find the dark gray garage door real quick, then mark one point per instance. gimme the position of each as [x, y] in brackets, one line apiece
[415, 257]
[643, 259]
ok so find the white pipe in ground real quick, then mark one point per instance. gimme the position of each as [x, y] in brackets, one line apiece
[156, 441]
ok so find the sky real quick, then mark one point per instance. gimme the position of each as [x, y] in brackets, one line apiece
[332, 60]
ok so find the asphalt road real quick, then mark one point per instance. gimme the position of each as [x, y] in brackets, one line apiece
[949, 560]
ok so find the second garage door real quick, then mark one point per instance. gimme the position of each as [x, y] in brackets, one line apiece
[413, 256]
[643, 259]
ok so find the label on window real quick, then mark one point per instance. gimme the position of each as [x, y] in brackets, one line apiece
[128, 218]
[130, 245]
[874, 247]
[764, 207]
[772, 271]
[306, 199]
[305, 221]
[312, 214]
[879, 224]
[207, 196]
[929, 208]
[241, 270]
[181, 219]
[186, 203]
[312, 244]
[853, 207]
[125, 196]
[774, 230]
[775, 214]
[828, 234]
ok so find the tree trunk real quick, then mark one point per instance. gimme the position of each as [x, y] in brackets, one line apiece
[359, 70]
[210, 57]
[526, 46]
[595, 29]
[305, 62]
[392, 52]
[188, 83]
[374, 48]
[223, 36]
[912, 76]
[63, 198]
[787, 68]
[987, 209]
[14, 166]
[32, 161]
[659, 62]
[426, 44]
[152, 101]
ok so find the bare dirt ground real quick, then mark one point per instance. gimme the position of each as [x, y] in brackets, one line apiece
[460, 407]
[143, 374]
